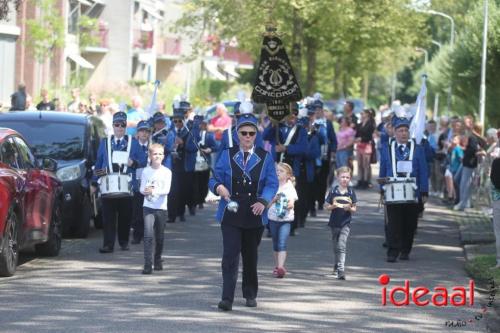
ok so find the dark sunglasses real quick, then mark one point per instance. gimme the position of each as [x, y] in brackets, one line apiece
[120, 125]
[245, 133]
[177, 121]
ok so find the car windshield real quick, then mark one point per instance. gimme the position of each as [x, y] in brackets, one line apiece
[60, 141]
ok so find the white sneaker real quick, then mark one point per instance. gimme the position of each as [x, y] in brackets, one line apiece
[457, 207]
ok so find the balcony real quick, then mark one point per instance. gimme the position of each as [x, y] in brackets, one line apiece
[100, 38]
[232, 54]
[169, 48]
[143, 39]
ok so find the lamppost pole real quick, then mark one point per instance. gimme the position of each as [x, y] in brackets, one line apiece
[482, 92]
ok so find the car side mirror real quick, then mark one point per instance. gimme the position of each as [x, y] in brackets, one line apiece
[49, 164]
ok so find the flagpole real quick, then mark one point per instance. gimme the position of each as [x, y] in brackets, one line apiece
[482, 97]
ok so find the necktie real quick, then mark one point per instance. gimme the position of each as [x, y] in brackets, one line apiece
[401, 149]
[118, 142]
[144, 148]
[245, 157]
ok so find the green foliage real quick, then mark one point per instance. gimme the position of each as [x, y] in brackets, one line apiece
[46, 32]
[209, 90]
[462, 65]
[87, 32]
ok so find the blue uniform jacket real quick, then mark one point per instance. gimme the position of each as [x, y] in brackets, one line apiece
[312, 153]
[190, 149]
[296, 150]
[268, 180]
[224, 142]
[419, 168]
[210, 142]
[135, 155]
[332, 137]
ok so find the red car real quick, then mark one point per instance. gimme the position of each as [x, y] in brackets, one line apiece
[30, 202]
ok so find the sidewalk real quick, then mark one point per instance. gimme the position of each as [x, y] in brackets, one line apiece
[478, 240]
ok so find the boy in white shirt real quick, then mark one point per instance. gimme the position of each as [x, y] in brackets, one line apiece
[155, 185]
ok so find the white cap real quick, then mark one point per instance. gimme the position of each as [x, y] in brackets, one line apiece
[302, 112]
[246, 107]
[317, 96]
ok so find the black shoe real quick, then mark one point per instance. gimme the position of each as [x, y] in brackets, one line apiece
[225, 305]
[147, 269]
[384, 244]
[124, 247]
[200, 206]
[340, 275]
[171, 220]
[192, 211]
[158, 266]
[313, 213]
[391, 259]
[404, 256]
[251, 303]
[136, 241]
[182, 218]
[106, 249]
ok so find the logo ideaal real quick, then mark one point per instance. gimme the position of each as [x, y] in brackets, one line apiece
[441, 296]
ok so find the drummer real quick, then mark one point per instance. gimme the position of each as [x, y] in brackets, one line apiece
[402, 217]
[117, 208]
[245, 174]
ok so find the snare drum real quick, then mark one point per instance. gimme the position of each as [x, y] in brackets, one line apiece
[115, 186]
[400, 191]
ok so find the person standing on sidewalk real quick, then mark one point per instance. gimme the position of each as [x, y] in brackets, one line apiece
[495, 195]
[281, 215]
[244, 175]
[155, 186]
[341, 200]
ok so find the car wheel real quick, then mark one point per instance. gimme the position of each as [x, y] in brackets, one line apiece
[10, 251]
[83, 225]
[52, 246]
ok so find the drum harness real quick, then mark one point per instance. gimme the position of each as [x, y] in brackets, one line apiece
[393, 162]
[110, 162]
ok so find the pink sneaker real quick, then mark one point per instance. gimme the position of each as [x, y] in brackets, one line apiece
[281, 272]
[275, 272]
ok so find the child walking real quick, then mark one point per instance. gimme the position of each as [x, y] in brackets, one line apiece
[341, 200]
[155, 185]
[281, 215]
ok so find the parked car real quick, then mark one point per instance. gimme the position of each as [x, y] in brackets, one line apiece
[210, 112]
[72, 140]
[30, 202]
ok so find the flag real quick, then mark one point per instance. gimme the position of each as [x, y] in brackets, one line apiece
[152, 106]
[417, 126]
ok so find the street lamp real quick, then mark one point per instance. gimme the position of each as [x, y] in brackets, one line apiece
[424, 51]
[482, 91]
[452, 41]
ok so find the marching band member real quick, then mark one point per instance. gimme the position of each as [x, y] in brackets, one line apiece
[229, 141]
[183, 161]
[207, 145]
[143, 133]
[403, 158]
[305, 180]
[164, 136]
[244, 174]
[120, 208]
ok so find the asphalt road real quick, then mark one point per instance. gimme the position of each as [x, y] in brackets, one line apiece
[84, 291]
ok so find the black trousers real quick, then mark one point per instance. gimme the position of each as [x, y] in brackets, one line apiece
[238, 240]
[116, 210]
[401, 225]
[137, 215]
[181, 193]
[321, 180]
[201, 186]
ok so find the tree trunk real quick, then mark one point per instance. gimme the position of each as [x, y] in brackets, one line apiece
[311, 53]
[296, 46]
[366, 84]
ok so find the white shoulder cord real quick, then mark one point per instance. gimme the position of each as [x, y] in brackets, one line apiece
[230, 137]
[110, 162]
[288, 140]
[393, 157]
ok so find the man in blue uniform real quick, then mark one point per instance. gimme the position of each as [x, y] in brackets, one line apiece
[117, 208]
[183, 161]
[403, 158]
[246, 175]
